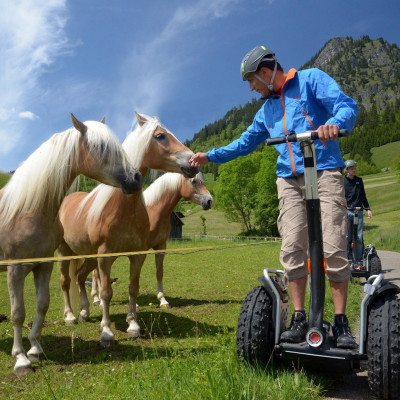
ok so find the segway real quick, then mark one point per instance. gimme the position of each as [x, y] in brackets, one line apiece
[265, 311]
[370, 262]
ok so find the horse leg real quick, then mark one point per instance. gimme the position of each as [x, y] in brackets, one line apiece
[95, 286]
[16, 280]
[106, 292]
[65, 281]
[135, 268]
[87, 267]
[41, 275]
[160, 274]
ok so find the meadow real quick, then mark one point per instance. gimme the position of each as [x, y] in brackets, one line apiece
[185, 352]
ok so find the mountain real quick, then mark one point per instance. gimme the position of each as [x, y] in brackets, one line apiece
[366, 69]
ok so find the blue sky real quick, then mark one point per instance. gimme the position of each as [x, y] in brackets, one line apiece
[175, 59]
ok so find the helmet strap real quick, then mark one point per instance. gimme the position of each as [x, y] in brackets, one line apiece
[270, 85]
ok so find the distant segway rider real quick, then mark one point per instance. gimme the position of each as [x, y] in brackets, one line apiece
[301, 101]
[355, 197]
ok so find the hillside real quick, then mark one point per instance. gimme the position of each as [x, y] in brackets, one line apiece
[367, 69]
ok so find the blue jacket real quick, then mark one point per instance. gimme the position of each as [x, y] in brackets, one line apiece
[309, 98]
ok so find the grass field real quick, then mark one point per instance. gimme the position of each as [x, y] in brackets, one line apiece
[187, 352]
[384, 156]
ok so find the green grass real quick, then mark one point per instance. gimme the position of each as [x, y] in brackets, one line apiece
[187, 352]
[384, 156]
[383, 193]
[4, 178]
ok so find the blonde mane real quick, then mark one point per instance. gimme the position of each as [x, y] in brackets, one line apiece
[42, 180]
[170, 181]
[135, 146]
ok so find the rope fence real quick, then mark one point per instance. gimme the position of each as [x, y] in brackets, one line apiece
[181, 251]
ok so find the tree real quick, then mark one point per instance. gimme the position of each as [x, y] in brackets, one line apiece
[236, 188]
[267, 204]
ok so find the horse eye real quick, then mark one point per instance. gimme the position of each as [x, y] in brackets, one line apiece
[194, 181]
[160, 136]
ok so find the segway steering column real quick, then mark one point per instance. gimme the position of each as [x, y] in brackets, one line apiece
[316, 254]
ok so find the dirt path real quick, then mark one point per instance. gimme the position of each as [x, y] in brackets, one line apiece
[355, 385]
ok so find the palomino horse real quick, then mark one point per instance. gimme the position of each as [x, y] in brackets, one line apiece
[29, 204]
[106, 221]
[161, 197]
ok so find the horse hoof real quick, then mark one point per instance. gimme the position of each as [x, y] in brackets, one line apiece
[21, 371]
[107, 343]
[96, 303]
[83, 318]
[71, 321]
[36, 358]
[133, 333]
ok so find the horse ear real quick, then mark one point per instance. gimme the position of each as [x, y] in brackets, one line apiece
[158, 119]
[141, 119]
[103, 120]
[78, 125]
[200, 177]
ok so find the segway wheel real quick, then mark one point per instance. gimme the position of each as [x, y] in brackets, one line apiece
[255, 332]
[375, 265]
[384, 346]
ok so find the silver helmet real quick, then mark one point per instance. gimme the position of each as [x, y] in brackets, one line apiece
[252, 61]
[350, 163]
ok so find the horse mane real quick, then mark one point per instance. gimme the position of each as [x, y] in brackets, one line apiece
[170, 181]
[135, 145]
[42, 180]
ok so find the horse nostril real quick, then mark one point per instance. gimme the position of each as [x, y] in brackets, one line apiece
[138, 178]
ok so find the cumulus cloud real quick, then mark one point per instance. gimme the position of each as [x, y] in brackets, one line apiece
[28, 115]
[32, 36]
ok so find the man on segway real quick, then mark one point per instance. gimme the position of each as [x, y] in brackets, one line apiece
[355, 198]
[301, 101]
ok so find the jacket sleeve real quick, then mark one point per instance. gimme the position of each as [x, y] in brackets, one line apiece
[255, 134]
[363, 196]
[342, 108]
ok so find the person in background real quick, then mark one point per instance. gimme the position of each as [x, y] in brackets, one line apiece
[355, 197]
[301, 101]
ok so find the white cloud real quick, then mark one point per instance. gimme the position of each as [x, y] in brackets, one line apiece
[31, 36]
[28, 115]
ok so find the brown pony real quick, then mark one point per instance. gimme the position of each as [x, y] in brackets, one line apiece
[161, 198]
[106, 221]
[29, 204]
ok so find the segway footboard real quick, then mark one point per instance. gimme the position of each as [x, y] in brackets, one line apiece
[263, 316]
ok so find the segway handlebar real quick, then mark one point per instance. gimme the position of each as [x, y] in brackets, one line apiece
[299, 137]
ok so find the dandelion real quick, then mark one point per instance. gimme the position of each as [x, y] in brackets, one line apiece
[150, 304]
[113, 370]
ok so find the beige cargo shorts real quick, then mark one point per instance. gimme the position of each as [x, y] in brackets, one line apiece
[292, 225]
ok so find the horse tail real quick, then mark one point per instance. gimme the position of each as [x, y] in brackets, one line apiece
[74, 266]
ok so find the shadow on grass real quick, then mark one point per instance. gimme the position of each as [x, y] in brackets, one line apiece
[177, 302]
[62, 349]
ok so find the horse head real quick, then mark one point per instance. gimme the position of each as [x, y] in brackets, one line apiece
[102, 157]
[164, 151]
[195, 190]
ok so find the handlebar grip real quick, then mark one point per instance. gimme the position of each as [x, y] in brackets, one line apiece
[313, 135]
[277, 140]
